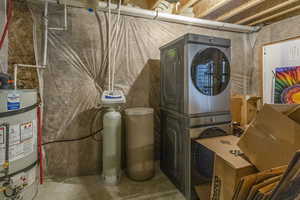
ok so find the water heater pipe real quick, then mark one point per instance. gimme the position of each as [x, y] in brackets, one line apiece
[9, 17]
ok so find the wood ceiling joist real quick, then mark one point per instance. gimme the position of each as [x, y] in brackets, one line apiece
[152, 4]
[266, 11]
[205, 7]
[139, 3]
[283, 17]
[239, 9]
[274, 16]
[125, 2]
[184, 4]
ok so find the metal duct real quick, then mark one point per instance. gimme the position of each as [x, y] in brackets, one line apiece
[149, 14]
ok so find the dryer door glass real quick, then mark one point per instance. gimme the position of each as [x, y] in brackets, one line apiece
[210, 71]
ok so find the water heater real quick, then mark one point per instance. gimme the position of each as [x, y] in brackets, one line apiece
[18, 144]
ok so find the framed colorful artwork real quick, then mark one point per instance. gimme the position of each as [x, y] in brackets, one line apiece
[287, 85]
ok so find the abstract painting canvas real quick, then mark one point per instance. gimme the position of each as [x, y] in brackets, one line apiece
[287, 85]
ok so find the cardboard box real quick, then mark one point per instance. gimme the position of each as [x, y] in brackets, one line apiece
[288, 187]
[244, 108]
[273, 137]
[228, 168]
[249, 185]
[203, 191]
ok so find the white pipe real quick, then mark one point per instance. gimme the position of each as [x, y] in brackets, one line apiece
[149, 14]
[66, 17]
[15, 76]
[116, 45]
[45, 33]
[57, 29]
[109, 43]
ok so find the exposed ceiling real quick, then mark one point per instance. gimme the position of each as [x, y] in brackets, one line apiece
[245, 12]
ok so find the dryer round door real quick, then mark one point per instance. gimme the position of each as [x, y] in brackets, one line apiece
[210, 71]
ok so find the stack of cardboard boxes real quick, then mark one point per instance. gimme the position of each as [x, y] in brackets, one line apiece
[244, 108]
[253, 167]
[229, 166]
[269, 142]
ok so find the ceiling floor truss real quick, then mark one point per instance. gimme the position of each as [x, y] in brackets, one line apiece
[269, 10]
[239, 9]
[275, 15]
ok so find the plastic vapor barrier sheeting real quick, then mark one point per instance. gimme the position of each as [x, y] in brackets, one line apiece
[77, 73]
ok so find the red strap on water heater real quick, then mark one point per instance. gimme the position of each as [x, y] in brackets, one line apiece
[40, 151]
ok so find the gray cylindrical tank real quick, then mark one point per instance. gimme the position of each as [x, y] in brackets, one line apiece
[111, 154]
[140, 143]
[18, 112]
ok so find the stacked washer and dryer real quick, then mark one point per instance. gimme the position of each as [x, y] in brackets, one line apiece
[195, 104]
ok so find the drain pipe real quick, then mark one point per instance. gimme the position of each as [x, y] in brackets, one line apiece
[166, 17]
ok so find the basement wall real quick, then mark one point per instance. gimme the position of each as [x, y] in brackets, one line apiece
[77, 74]
[21, 49]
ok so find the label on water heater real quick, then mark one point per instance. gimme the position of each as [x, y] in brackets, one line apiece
[26, 131]
[21, 141]
[13, 101]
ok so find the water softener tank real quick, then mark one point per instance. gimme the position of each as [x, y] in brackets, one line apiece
[112, 146]
[18, 144]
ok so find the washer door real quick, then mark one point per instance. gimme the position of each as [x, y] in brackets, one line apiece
[210, 71]
[171, 78]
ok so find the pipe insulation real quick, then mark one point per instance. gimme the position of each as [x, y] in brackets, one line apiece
[166, 17]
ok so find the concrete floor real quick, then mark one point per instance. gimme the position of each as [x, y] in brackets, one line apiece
[92, 188]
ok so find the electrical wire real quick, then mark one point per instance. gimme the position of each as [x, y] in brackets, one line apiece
[9, 17]
[92, 135]
[74, 140]
[92, 125]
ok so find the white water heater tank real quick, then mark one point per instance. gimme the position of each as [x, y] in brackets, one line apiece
[111, 153]
[18, 131]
